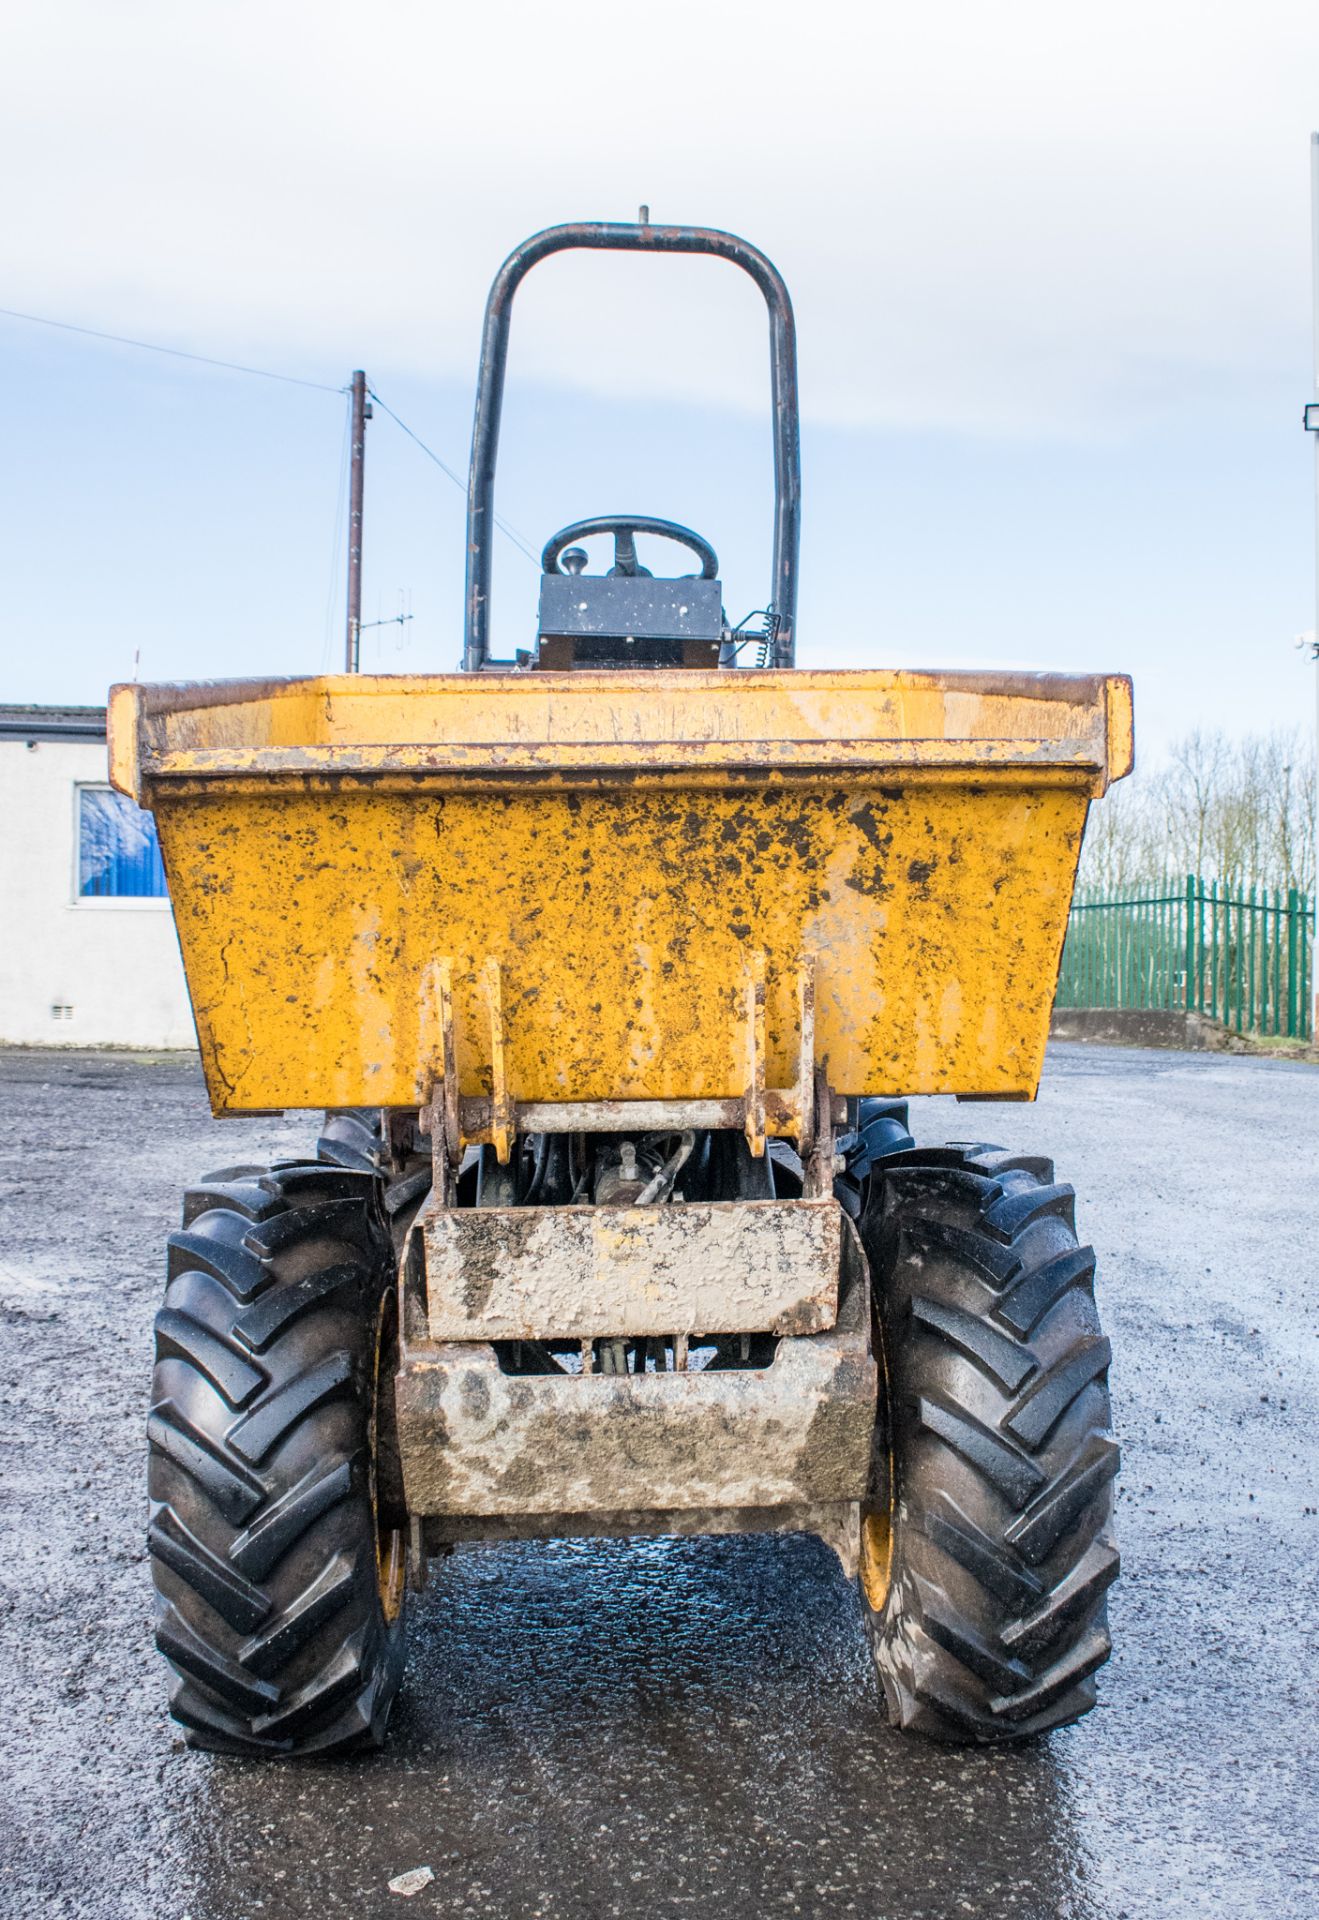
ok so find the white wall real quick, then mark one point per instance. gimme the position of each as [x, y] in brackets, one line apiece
[115, 963]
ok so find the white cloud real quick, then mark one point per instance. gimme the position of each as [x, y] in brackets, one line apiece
[1025, 219]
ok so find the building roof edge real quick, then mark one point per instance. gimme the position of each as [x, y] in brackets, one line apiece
[52, 723]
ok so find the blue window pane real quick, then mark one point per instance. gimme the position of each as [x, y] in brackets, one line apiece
[118, 854]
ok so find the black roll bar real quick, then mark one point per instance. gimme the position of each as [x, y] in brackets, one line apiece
[624, 237]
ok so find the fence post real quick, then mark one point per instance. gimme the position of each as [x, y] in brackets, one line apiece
[1229, 980]
[1252, 999]
[1291, 963]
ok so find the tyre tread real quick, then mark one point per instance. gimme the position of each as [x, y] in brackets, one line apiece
[261, 1534]
[995, 1618]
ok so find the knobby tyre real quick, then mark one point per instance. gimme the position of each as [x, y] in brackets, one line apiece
[985, 1570]
[278, 1557]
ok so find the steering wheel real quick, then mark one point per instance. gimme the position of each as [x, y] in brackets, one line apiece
[625, 527]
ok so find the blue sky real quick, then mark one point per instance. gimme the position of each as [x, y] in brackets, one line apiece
[1052, 283]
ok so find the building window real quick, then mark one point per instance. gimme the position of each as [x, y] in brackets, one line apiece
[118, 853]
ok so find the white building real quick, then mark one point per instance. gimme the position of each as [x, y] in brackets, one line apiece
[89, 957]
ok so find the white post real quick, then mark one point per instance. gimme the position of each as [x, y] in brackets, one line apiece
[1312, 418]
[1314, 946]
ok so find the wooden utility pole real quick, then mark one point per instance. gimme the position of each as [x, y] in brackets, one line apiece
[361, 414]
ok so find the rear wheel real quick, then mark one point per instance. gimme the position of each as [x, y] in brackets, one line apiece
[278, 1558]
[987, 1556]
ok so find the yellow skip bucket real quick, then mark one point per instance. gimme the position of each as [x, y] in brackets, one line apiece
[620, 886]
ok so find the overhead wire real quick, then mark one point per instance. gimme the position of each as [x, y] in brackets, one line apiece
[175, 353]
[265, 373]
[510, 532]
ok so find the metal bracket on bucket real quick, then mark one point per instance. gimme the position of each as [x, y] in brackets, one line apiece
[805, 1112]
[754, 1100]
[439, 1119]
[501, 1106]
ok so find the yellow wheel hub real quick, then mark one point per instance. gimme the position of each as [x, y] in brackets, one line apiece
[876, 1559]
[391, 1545]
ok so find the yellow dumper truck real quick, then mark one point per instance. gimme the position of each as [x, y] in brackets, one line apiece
[609, 965]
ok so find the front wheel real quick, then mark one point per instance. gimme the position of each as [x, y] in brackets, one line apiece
[988, 1550]
[277, 1554]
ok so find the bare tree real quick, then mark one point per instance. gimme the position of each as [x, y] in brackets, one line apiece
[1239, 811]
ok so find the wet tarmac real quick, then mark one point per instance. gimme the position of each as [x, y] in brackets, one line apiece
[690, 1727]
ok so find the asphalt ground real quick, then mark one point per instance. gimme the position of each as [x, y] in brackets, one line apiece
[690, 1727]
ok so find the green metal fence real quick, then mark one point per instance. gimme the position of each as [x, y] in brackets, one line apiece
[1240, 955]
